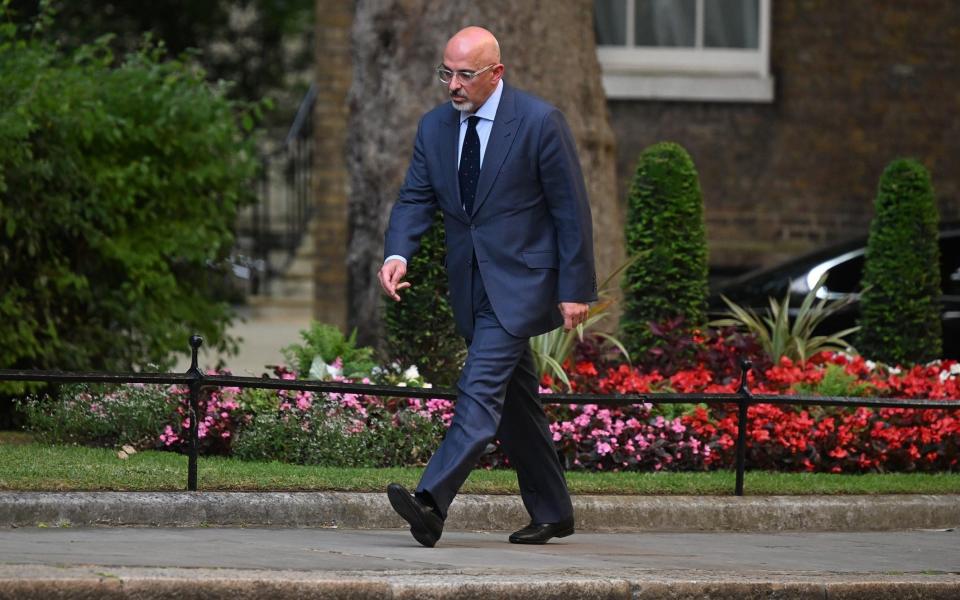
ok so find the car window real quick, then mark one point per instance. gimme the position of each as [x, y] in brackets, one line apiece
[950, 265]
[845, 277]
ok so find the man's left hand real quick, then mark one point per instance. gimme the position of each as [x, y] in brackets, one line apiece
[573, 313]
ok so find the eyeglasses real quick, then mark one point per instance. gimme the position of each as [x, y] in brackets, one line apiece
[446, 75]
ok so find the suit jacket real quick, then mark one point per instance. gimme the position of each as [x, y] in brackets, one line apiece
[530, 231]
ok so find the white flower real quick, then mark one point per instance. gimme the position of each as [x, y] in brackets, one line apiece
[894, 370]
[944, 376]
[411, 373]
[321, 370]
[870, 365]
[955, 369]
[428, 385]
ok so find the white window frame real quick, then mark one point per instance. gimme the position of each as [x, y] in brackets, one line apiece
[696, 74]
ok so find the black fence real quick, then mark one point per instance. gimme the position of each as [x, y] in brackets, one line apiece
[197, 380]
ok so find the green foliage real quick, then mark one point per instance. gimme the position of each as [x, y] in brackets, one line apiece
[119, 183]
[329, 442]
[327, 343]
[796, 340]
[253, 43]
[551, 349]
[420, 329]
[836, 382]
[101, 415]
[665, 221]
[900, 313]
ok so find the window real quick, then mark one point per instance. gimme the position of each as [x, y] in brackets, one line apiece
[685, 49]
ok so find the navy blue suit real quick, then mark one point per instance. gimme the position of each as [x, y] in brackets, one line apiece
[526, 247]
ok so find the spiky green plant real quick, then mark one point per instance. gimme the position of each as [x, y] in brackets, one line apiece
[796, 340]
[551, 349]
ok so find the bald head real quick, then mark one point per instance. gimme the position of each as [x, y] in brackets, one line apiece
[472, 50]
[474, 42]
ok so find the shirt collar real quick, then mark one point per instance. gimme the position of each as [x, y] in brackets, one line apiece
[489, 109]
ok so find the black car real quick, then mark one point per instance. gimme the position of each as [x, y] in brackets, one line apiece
[843, 264]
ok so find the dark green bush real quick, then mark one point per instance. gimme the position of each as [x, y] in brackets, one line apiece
[314, 437]
[119, 182]
[664, 221]
[101, 415]
[900, 315]
[420, 329]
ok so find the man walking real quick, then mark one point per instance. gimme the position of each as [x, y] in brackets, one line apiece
[502, 166]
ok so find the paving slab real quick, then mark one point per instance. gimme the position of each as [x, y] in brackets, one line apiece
[339, 563]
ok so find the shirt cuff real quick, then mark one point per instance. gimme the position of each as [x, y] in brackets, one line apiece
[394, 257]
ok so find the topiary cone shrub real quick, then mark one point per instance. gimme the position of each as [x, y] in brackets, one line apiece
[900, 315]
[665, 220]
[420, 329]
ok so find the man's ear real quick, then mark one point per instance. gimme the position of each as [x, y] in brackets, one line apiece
[497, 73]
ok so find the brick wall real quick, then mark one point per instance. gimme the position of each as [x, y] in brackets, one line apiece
[858, 83]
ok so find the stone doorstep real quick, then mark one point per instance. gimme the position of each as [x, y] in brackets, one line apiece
[29, 582]
[594, 513]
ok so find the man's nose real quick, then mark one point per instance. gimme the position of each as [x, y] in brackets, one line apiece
[454, 85]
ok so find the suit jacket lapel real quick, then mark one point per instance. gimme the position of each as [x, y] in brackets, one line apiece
[448, 157]
[505, 125]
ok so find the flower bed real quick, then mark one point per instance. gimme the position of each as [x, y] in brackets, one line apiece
[779, 437]
[360, 430]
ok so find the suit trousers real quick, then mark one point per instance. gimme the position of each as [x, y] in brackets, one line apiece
[498, 399]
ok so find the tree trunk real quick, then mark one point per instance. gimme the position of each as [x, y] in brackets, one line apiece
[548, 48]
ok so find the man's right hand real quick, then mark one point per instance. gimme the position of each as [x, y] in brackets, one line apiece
[391, 275]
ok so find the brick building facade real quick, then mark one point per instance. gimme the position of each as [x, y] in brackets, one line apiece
[857, 84]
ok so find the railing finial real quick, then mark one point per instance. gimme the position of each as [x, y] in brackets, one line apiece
[195, 342]
[745, 366]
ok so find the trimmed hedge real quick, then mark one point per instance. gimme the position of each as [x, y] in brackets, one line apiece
[420, 328]
[900, 304]
[665, 220]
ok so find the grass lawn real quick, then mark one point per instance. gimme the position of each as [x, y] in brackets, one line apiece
[25, 465]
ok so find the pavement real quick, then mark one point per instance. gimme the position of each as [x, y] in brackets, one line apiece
[349, 563]
[342, 545]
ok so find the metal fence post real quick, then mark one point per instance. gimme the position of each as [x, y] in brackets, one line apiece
[195, 342]
[744, 403]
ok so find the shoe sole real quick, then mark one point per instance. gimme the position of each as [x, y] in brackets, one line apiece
[405, 507]
[564, 533]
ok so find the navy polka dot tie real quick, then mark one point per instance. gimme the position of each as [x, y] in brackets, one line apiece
[470, 165]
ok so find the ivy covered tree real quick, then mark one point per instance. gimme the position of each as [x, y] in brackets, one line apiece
[420, 328]
[900, 314]
[665, 227]
[119, 182]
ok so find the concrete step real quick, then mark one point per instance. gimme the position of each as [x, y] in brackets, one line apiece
[481, 512]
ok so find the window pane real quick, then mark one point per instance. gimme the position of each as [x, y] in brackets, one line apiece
[666, 22]
[610, 22]
[731, 23]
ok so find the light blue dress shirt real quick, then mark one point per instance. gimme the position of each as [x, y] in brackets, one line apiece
[487, 112]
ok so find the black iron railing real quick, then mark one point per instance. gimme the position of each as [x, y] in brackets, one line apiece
[270, 232]
[197, 380]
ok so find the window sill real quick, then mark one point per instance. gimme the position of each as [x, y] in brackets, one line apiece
[689, 87]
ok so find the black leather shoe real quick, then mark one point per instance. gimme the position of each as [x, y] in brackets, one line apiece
[425, 524]
[540, 533]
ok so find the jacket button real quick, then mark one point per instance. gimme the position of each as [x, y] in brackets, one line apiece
[473, 227]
